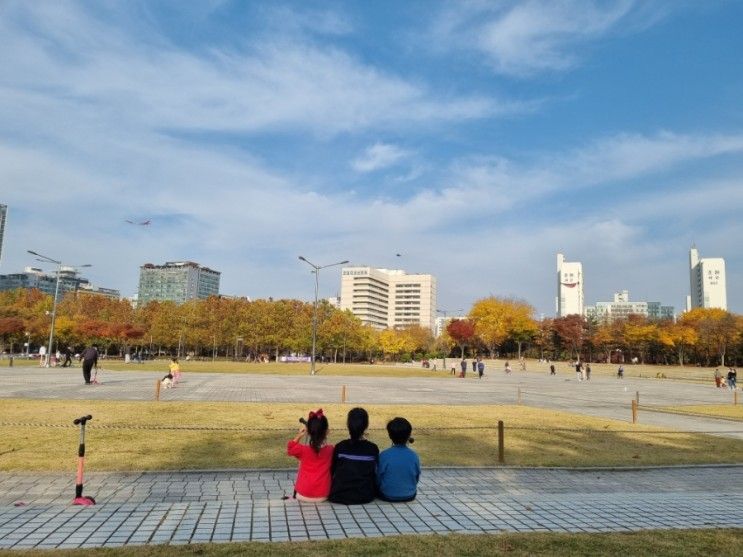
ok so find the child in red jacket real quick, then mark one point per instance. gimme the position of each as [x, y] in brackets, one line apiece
[315, 458]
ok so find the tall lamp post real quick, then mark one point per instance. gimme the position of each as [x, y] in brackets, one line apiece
[314, 309]
[56, 297]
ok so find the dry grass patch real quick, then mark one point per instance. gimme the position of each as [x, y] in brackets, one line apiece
[659, 543]
[252, 435]
[726, 411]
[687, 373]
[274, 368]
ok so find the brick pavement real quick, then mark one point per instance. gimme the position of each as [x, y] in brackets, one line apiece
[222, 506]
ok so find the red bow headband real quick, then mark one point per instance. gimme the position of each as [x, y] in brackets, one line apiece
[317, 414]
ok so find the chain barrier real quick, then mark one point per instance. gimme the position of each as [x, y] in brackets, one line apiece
[421, 429]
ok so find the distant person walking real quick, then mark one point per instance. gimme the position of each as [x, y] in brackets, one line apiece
[718, 378]
[620, 372]
[474, 365]
[480, 368]
[588, 372]
[579, 370]
[552, 369]
[732, 379]
[90, 359]
[463, 365]
[67, 357]
[507, 369]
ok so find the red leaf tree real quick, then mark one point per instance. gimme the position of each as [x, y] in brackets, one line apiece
[462, 331]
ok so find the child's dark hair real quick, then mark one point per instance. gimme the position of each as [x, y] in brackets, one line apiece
[399, 430]
[357, 422]
[317, 429]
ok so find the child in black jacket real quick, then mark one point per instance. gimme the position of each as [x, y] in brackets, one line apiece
[354, 466]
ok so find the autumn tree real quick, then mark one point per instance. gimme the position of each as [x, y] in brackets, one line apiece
[490, 318]
[544, 338]
[571, 331]
[462, 331]
[637, 333]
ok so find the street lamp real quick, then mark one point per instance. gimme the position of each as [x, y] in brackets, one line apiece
[56, 296]
[445, 312]
[314, 309]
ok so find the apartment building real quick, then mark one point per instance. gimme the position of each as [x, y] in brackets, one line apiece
[622, 306]
[69, 281]
[389, 298]
[176, 281]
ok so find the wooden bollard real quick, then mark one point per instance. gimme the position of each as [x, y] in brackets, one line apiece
[518, 396]
[634, 411]
[157, 390]
[501, 444]
[343, 394]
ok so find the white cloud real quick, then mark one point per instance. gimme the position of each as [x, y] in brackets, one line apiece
[378, 156]
[525, 38]
[280, 84]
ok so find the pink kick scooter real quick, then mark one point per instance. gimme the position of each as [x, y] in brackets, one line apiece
[79, 498]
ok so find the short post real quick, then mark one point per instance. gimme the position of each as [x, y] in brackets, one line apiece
[157, 390]
[518, 396]
[637, 397]
[343, 394]
[501, 444]
[634, 411]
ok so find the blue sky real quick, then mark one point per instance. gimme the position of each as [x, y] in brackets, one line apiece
[477, 139]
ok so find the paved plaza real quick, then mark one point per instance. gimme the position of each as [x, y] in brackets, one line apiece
[605, 397]
[224, 506]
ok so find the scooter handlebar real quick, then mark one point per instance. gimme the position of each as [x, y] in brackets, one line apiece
[82, 419]
[303, 421]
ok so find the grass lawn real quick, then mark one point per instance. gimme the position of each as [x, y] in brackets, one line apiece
[254, 436]
[686, 373]
[659, 543]
[727, 411]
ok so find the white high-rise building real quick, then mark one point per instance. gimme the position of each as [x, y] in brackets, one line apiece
[389, 298]
[707, 282]
[569, 299]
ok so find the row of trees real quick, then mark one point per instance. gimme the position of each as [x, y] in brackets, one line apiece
[239, 328]
[701, 336]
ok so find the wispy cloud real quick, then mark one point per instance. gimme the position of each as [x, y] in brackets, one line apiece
[525, 38]
[378, 156]
[279, 85]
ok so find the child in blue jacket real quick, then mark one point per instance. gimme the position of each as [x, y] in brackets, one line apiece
[399, 466]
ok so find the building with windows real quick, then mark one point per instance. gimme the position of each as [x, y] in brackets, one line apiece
[569, 299]
[176, 281]
[3, 218]
[441, 323]
[622, 307]
[389, 298]
[69, 281]
[707, 282]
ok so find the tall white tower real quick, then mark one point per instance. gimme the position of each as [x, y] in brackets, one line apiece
[707, 288]
[569, 299]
